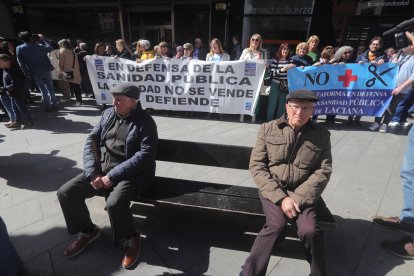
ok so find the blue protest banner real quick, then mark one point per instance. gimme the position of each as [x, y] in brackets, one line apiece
[347, 89]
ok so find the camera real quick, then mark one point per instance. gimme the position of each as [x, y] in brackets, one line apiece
[401, 40]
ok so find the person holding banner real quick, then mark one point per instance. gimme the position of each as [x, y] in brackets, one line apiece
[143, 50]
[123, 50]
[313, 52]
[216, 51]
[301, 59]
[291, 164]
[119, 163]
[188, 51]
[278, 88]
[255, 51]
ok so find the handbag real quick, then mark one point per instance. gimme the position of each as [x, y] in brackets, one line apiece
[68, 75]
[283, 85]
[267, 79]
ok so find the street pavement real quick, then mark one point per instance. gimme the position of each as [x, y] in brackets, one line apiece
[35, 162]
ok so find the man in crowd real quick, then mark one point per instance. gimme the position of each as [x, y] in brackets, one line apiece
[291, 164]
[35, 64]
[199, 51]
[128, 138]
[405, 223]
[237, 48]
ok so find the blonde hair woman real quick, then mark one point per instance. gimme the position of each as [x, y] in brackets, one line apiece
[68, 62]
[123, 50]
[162, 50]
[255, 51]
[216, 51]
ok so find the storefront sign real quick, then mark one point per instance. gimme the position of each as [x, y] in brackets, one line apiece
[170, 84]
[348, 89]
[286, 7]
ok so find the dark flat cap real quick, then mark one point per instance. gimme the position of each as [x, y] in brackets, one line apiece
[303, 95]
[126, 89]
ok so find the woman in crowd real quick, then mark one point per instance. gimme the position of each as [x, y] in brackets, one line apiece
[180, 52]
[143, 48]
[110, 50]
[255, 51]
[301, 59]
[68, 62]
[57, 74]
[344, 55]
[162, 50]
[188, 51]
[99, 49]
[216, 51]
[327, 56]
[278, 88]
[313, 52]
[123, 50]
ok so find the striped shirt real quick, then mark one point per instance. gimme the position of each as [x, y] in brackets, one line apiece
[275, 67]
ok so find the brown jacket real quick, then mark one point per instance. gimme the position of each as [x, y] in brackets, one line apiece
[282, 165]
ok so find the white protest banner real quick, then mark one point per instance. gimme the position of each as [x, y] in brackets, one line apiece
[230, 87]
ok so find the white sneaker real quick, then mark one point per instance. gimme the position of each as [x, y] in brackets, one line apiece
[241, 118]
[374, 127]
[383, 128]
[393, 124]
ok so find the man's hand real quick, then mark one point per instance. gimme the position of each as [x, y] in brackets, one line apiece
[290, 207]
[396, 91]
[107, 183]
[96, 182]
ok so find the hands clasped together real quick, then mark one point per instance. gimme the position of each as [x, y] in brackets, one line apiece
[290, 207]
[98, 182]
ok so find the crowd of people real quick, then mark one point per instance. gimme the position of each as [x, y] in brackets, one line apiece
[119, 155]
[69, 76]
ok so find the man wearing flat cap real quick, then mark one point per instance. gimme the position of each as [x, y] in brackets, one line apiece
[119, 162]
[291, 164]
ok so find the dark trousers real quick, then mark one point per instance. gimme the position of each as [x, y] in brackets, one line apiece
[272, 232]
[72, 197]
[76, 89]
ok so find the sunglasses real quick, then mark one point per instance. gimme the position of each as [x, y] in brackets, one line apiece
[255, 39]
[185, 49]
[346, 53]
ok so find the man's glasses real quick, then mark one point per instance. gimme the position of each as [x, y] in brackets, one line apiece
[296, 108]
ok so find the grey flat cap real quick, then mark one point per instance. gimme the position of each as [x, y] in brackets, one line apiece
[126, 89]
[303, 95]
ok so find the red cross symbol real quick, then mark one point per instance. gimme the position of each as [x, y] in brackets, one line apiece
[347, 78]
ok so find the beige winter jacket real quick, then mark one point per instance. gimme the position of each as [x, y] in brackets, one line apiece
[66, 64]
[284, 165]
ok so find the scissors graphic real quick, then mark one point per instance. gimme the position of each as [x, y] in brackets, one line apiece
[373, 70]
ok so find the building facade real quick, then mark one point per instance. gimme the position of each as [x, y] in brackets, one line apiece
[336, 22]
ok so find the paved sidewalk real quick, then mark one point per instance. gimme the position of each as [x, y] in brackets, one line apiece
[34, 163]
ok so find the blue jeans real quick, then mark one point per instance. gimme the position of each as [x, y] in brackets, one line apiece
[401, 112]
[407, 175]
[7, 104]
[20, 107]
[45, 84]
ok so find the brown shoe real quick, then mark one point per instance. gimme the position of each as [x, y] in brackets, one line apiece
[131, 251]
[78, 245]
[13, 125]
